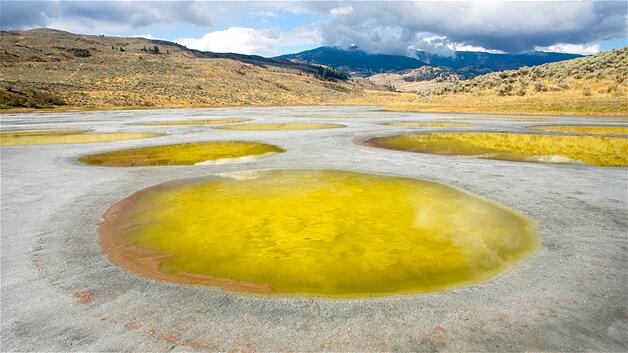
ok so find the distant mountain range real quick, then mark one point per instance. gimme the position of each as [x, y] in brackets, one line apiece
[466, 63]
[355, 61]
[473, 63]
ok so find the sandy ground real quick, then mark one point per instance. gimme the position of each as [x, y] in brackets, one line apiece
[60, 293]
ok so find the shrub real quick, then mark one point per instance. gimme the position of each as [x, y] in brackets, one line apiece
[79, 52]
[330, 74]
[538, 86]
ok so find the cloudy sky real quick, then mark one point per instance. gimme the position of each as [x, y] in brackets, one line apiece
[393, 27]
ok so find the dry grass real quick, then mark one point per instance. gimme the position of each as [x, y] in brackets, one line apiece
[569, 103]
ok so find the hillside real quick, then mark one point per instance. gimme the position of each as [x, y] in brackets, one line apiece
[354, 60]
[470, 63]
[43, 67]
[417, 79]
[595, 84]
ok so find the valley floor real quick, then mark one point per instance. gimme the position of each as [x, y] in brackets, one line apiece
[61, 293]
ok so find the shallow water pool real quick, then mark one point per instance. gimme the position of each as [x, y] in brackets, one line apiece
[315, 233]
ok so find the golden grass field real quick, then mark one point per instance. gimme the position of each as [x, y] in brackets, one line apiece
[551, 103]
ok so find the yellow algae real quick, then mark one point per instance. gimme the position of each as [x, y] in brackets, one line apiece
[49, 137]
[587, 129]
[180, 154]
[319, 233]
[593, 150]
[194, 122]
[282, 126]
[426, 124]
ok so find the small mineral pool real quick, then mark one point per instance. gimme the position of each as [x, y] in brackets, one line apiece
[593, 150]
[315, 233]
[587, 129]
[194, 122]
[49, 137]
[282, 126]
[181, 154]
[426, 124]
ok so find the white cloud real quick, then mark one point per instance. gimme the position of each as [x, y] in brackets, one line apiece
[147, 36]
[585, 49]
[341, 10]
[498, 25]
[246, 40]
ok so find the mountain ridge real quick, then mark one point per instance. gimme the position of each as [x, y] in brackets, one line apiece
[467, 63]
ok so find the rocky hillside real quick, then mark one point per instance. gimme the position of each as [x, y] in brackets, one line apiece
[43, 67]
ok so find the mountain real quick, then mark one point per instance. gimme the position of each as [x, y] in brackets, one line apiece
[473, 63]
[354, 60]
[466, 63]
[45, 67]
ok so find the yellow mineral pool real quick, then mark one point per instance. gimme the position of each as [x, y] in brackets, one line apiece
[594, 150]
[48, 137]
[315, 233]
[180, 154]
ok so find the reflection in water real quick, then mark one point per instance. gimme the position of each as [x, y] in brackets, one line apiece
[180, 154]
[326, 233]
[49, 137]
[594, 150]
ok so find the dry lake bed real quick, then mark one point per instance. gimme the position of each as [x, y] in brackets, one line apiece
[61, 292]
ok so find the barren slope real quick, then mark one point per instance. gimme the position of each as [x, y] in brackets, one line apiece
[107, 72]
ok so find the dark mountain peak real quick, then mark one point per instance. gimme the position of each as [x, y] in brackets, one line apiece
[355, 60]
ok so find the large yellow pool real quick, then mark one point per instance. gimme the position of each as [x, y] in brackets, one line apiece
[594, 150]
[315, 233]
